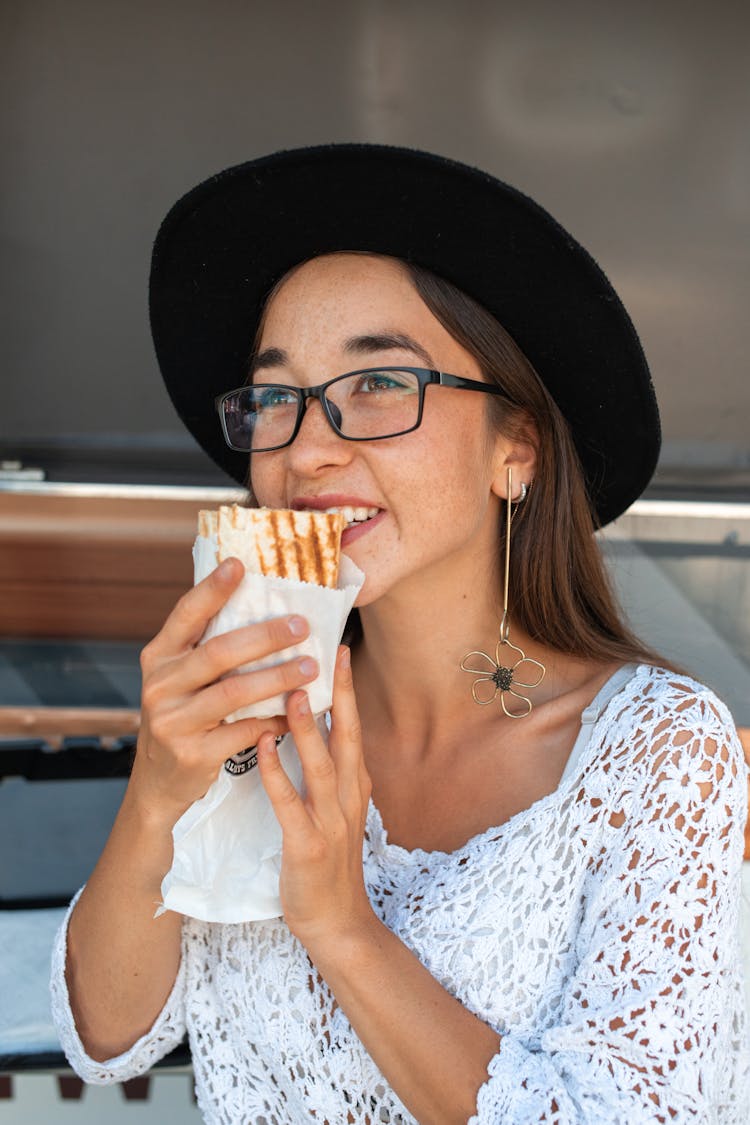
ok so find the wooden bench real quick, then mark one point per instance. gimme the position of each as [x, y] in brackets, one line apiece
[94, 565]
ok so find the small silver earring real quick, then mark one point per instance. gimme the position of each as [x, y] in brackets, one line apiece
[522, 494]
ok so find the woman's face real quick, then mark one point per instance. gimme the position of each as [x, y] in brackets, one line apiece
[429, 493]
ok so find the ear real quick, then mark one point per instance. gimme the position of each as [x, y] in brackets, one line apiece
[520, 456]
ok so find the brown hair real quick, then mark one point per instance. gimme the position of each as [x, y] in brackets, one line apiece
[561, 592]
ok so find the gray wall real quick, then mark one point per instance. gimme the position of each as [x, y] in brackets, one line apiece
[628, 121]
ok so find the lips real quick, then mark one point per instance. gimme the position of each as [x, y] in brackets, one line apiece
[356, 530]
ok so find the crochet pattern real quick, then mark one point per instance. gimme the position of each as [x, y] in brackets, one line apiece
[596, 931]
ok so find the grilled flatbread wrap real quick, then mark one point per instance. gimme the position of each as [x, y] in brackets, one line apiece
[302, 545]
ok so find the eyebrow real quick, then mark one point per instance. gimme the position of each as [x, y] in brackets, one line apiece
[270, 357]
[366, 344]
[384, 342]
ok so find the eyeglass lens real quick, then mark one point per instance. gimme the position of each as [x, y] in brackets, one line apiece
[367, 404]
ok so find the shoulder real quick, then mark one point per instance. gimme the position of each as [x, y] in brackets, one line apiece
[674, 734]
[664, 703]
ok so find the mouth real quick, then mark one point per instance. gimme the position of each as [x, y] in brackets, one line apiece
[355, 514]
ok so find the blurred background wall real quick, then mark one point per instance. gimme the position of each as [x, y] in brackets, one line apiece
[627, 121]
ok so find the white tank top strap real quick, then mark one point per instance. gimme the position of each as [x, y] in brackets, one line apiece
[591, 713]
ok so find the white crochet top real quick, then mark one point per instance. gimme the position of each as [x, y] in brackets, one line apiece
[607, 958]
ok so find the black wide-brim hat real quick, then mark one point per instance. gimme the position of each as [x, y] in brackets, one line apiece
[224, 245]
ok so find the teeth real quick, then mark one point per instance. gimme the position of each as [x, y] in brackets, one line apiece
[355, 515]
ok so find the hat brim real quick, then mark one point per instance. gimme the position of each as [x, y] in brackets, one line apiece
[225, 244]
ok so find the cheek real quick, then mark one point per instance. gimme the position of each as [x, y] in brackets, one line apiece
[265, 480]
[456, 459]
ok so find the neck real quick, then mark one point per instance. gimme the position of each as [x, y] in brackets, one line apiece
[409, 680]
[407, 666]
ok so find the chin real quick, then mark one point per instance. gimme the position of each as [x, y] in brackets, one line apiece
[370, 591]
[374, 589]
[364, 597]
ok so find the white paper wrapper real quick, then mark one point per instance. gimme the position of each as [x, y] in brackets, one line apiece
[227, 846]
[227, 849]
[258, 598]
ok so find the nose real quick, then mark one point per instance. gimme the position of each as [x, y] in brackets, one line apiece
[317, 443]
[333, 409]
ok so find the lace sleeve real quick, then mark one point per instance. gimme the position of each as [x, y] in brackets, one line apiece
[166, 1033]
[651, 1025]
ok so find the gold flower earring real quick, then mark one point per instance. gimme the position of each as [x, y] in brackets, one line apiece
[498, 678]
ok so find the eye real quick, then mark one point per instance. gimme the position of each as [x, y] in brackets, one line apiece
[380, 382]
[266, 398]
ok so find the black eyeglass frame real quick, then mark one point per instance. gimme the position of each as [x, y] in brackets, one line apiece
[425, 378]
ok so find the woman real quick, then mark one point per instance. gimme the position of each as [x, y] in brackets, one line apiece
[511, 890]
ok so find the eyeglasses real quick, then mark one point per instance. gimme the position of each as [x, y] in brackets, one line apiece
[366, 405]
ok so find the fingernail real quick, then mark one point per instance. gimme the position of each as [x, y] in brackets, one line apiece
[308, 666]
[225, 569]
[267, 744]
[297, 626]
[345, 658]
[303, 705]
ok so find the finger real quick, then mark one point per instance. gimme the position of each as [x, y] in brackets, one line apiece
[212, 705]
[234, 738]
[319, 770]
[187, 622]
[345, 742]
[287, 804]
[208, 662]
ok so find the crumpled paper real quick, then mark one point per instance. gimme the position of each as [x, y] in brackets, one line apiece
[227, 845]
[227, 849]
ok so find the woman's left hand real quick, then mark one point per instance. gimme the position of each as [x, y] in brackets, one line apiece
[322, 884]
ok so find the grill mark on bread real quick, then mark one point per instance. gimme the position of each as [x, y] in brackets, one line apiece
[259, 554]
[307, 548]
[316, 548]
[300, 558]
[281, 567]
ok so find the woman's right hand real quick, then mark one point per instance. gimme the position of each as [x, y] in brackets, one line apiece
[183, 740]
